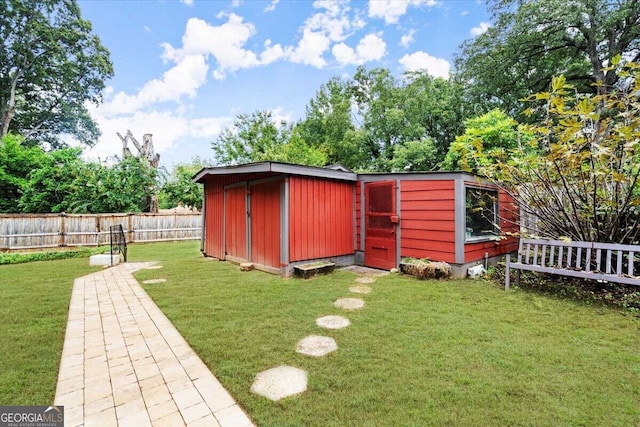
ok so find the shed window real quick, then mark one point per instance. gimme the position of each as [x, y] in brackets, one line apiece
[481, 213]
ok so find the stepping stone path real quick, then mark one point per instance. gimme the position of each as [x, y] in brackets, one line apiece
[360, 289]
[349, 303]
[333, 322]
[285, 381]
[278, 383]
[153, 281]
[153, 267]
[316, 346]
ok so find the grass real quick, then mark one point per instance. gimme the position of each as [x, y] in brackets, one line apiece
[34, 302]
[419, 352]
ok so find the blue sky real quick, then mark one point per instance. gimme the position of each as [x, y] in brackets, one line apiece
[184, 69]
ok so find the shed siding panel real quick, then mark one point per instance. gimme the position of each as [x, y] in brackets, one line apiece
[265, 224]
[427, 219]
[320, 218]
[236, 222]
[214, 199]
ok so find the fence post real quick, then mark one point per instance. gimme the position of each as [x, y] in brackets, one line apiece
[61, 240]
[507, 273]
[130, 227]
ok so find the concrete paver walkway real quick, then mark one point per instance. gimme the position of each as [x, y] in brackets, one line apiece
[124, 363]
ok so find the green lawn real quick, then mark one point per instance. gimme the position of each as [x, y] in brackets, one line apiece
[418, 353]
[34, 302]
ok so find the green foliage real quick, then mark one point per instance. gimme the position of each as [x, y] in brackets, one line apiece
[413, 156]
[489, 139]
[178, 189]
[257, 138]
[16, 162]
[532, 41]
[327, 125]
[401, 112]
[20, 258]
[50, 66]
[66, 183]
[585, 184]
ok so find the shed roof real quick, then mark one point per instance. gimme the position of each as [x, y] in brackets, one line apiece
[276, 167]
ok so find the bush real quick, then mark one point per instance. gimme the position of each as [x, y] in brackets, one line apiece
[19, 258]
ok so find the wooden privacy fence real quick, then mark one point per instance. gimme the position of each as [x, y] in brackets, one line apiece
[34, 231]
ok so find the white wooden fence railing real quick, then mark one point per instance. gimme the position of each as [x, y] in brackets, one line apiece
[589, 260]
[33, 231]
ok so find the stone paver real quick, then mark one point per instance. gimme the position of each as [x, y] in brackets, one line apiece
[365, 279]
[124, 363]
[332, 322]
[316, 346]
[278, 383]
[153, 281]
[349, 303]
[360, 289]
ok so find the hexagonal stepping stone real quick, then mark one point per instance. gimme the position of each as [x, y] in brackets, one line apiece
[153, 281]
[349, 303]
[360, 289]
[333, 322]
[278, 383]
[365, 279]
[316, 346]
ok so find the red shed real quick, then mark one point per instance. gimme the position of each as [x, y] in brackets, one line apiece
[279, 215]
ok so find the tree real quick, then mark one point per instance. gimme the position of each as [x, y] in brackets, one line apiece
[257, 138]
[489, 139]
[16, 162]
[418, 108]
[179, 189]
[149, 158]
[328, 124]
[64, 182]
[584, 184]
[50, 66]
[532, 41]
[413, 156]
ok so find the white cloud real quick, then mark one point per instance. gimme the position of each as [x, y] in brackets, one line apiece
[271, 53]
[183, 79]
[416, 61]
[225, 43]
[332, 23]
[187, 2]
[407, 39]
[169, 128]
[370, 48]
[464, 13]
[310, 49]
[271, 6]
[480, 29]
[392, 10]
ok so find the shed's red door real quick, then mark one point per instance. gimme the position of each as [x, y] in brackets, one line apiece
[380, 229]
[265, 224]
[235, 222]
